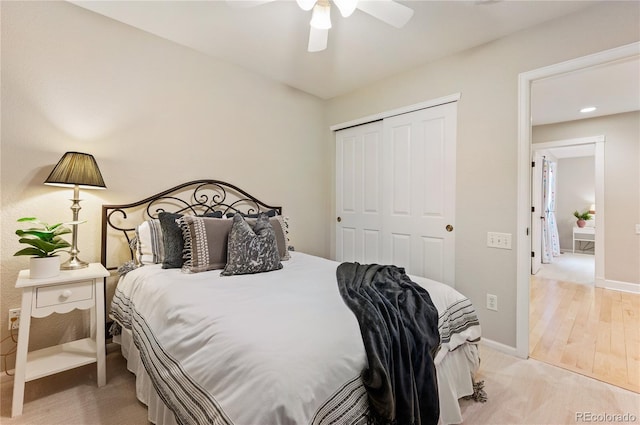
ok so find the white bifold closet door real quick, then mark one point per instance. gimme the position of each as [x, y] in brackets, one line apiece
[395, 188]
[359, 193]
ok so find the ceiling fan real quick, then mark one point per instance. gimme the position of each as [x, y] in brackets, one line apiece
[388, 11]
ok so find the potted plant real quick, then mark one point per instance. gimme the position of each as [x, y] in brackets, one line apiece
[582, 218]
[44, 243]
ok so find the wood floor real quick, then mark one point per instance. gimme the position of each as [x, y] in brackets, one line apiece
[592, 331]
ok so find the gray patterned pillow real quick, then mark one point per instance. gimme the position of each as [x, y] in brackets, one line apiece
[280, 227]
[251, 250]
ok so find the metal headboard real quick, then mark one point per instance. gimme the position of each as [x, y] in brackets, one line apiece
[196, 197]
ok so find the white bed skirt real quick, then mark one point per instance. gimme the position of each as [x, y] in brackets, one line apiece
[454, 381]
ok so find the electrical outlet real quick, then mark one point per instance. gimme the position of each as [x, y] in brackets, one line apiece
[14, 318]
[492, 302]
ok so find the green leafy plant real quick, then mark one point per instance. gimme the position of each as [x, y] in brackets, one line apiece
[44, 240]
[582, 216]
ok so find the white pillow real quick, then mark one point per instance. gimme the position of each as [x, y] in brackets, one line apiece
[150, 248]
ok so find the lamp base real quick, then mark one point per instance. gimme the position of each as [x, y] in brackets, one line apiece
[74, 263]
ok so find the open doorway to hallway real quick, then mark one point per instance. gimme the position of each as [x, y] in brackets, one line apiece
[573, 323]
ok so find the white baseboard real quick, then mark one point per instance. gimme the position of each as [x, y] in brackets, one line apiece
[498, 346]
[617, 285]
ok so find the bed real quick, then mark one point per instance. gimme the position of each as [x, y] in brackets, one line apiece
[275, 347]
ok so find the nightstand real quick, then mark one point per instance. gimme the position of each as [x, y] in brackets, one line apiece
[72, 289]
[586, 234]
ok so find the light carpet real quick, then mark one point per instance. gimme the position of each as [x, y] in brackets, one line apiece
[519, 391]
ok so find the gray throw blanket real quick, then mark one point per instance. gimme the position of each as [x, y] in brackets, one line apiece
[399, 327]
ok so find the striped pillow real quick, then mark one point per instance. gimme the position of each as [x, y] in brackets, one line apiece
[150, 247]
[205, 243]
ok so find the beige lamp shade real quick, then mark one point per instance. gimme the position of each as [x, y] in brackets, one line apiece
[75, 168]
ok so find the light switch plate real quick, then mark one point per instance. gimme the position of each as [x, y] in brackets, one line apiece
[499, 240]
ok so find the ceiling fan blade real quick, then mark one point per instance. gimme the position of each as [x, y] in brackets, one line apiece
[306, 4]
[241, 4]
[346, 7]
[317, 39]
[388, 11]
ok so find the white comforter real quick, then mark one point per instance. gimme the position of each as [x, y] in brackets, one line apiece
[271, 348]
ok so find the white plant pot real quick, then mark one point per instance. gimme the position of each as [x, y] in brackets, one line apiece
[43, 267]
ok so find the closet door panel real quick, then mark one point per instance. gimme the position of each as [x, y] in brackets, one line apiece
[433, 249]
[433, 161]
[372, 246]
[348, 172]
[400, 171]
[401, 250]
[358, 193]
[420, 190]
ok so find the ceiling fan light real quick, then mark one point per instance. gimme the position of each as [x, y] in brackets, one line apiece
[317, 40]
[346, 7]
[321, 18]
[306, 4]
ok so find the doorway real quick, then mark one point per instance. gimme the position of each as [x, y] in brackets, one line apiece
[523, 239]
[558, 313]
[570, 156]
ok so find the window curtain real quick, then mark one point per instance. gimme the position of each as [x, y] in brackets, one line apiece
[550, 239]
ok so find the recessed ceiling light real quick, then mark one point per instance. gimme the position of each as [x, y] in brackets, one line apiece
[588, 109]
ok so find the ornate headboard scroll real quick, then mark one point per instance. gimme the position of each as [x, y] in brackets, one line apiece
[196, 197]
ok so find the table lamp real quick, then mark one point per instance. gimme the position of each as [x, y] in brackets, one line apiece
[76, 170]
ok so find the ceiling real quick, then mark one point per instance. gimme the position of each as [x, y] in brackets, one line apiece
[612, 88]
[271, 38]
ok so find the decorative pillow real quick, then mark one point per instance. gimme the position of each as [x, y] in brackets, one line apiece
[172, 239]
[205, 243]
[150, 249]
[269, 213]
[286, 247]
[251, 250]
[280, 227]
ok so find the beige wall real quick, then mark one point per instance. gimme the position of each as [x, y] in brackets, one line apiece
[487, 77]
[154, 114]
[622, 185]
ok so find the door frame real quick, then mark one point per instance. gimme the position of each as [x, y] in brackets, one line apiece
[536, 211]
[399, 111]
[598, 143]
[523, 219]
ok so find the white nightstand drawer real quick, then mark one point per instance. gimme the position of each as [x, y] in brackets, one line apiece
[61, 294]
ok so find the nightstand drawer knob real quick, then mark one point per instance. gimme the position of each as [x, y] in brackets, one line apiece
[65, 294]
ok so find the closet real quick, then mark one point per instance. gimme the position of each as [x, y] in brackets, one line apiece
[395, 192]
